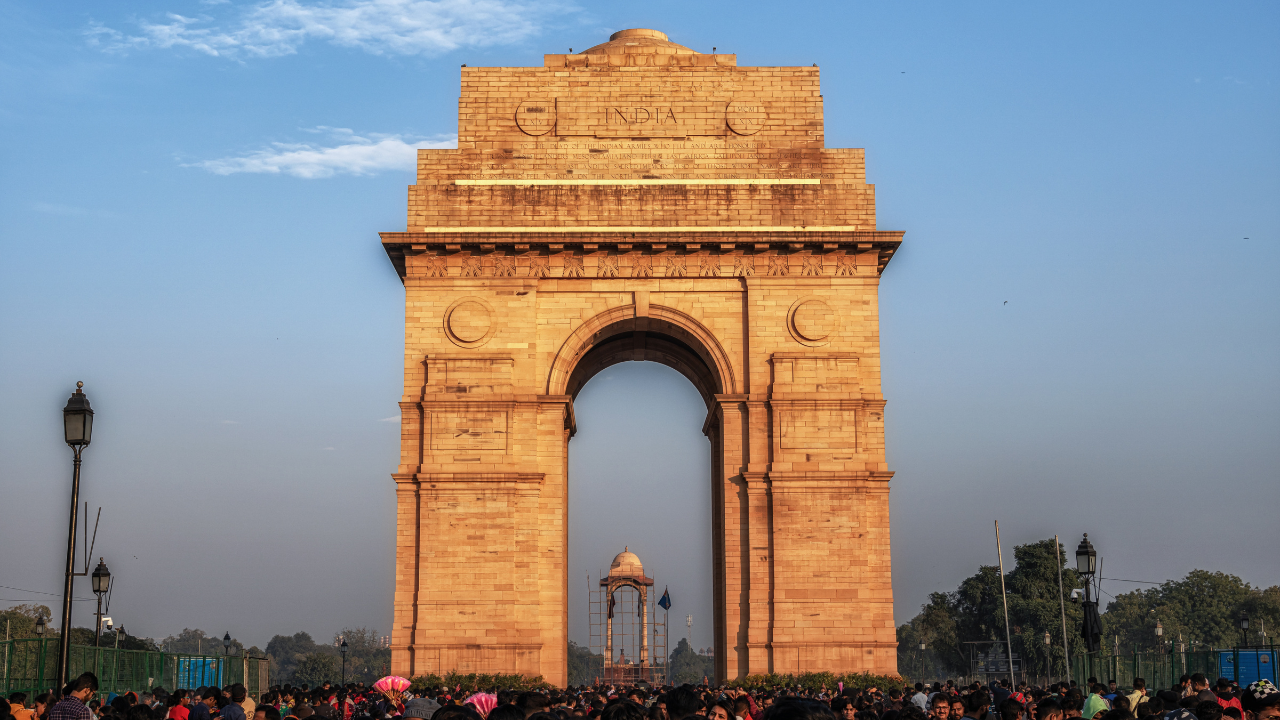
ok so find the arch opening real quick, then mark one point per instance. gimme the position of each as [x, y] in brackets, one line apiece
[639, 475]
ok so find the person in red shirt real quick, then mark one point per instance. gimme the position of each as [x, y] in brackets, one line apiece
[178, 703]
[1225, 697]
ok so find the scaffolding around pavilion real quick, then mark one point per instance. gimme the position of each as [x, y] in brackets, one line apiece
[623, 620]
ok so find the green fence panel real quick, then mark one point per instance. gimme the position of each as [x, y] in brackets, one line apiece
[1159, 670]
[30, 666]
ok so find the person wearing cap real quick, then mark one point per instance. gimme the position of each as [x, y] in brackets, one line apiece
[422, 708]
[1261, 701]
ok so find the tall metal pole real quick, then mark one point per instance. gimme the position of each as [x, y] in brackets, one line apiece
[64, 642]
[1008, 636]
[97, 623]
[1062, 600]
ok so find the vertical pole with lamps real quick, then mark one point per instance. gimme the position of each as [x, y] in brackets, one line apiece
[343, 649]
[1087, 566]
[1048, 661]
[101, 584]
[1160, 644]
[40, 658]
[77, 426]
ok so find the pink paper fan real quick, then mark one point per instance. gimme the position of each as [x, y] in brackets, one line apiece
[392, 684]
[483, 702]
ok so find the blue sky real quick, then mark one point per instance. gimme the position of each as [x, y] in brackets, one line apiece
[1081, 332]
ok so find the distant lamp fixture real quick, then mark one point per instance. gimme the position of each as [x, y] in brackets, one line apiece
[226, 644]
[40, 626]
[1159, 629]
[1086, 558]
[1244, 622]
[1047, 640]
[343, 647]
[922, 646]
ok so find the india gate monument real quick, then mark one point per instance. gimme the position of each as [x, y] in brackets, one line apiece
[642, 201]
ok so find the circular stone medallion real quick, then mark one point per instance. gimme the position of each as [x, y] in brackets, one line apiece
[536, 117]
[469, 322]
[812, 321]
[746, 116]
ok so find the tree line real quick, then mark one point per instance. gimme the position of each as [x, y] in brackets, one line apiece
[1202, 608]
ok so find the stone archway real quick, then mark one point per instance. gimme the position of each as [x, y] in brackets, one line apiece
[572, 231]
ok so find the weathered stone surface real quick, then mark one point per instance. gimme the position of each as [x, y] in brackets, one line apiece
[641, 201]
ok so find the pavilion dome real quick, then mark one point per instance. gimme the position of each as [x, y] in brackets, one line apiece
[626, 564]
[639, 40]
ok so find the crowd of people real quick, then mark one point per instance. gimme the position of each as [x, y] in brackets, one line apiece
[1192, 699]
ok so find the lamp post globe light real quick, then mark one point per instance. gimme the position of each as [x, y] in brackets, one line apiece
[226, 644]
[77, 428]
[40, 626]
[343, 649]
[101, 583]
[1244, 628]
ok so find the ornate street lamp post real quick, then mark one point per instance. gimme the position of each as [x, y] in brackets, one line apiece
[1048, 661]
[77, 426]
[226, 645]
[101, 583]
[1087, 565]
[1244, 628]
[40, 626]
[343, 649]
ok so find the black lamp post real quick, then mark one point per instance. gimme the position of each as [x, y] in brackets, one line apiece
[226, 645]
[343, 649]
[1087, 566]
[40, 626]
[1159, 634]
[77, 426]
[1244, 628]
[1048, 661]
[101, 583]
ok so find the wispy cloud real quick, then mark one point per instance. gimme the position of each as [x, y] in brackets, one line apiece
[353, 155]
[393, 418]
[392, 27]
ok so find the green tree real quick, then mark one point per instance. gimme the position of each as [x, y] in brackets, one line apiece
[687, 666]
[285, 651]
[584, 665]
[366, 656]
[198, 642]
[974, 612]
[315, 669]
[21, 620]
[1204, 608]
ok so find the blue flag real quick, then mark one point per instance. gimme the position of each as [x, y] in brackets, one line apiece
[665, 602]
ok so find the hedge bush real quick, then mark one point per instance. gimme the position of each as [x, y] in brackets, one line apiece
[475, 682]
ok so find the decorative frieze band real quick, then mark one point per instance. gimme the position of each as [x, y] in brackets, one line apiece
[636, 264]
